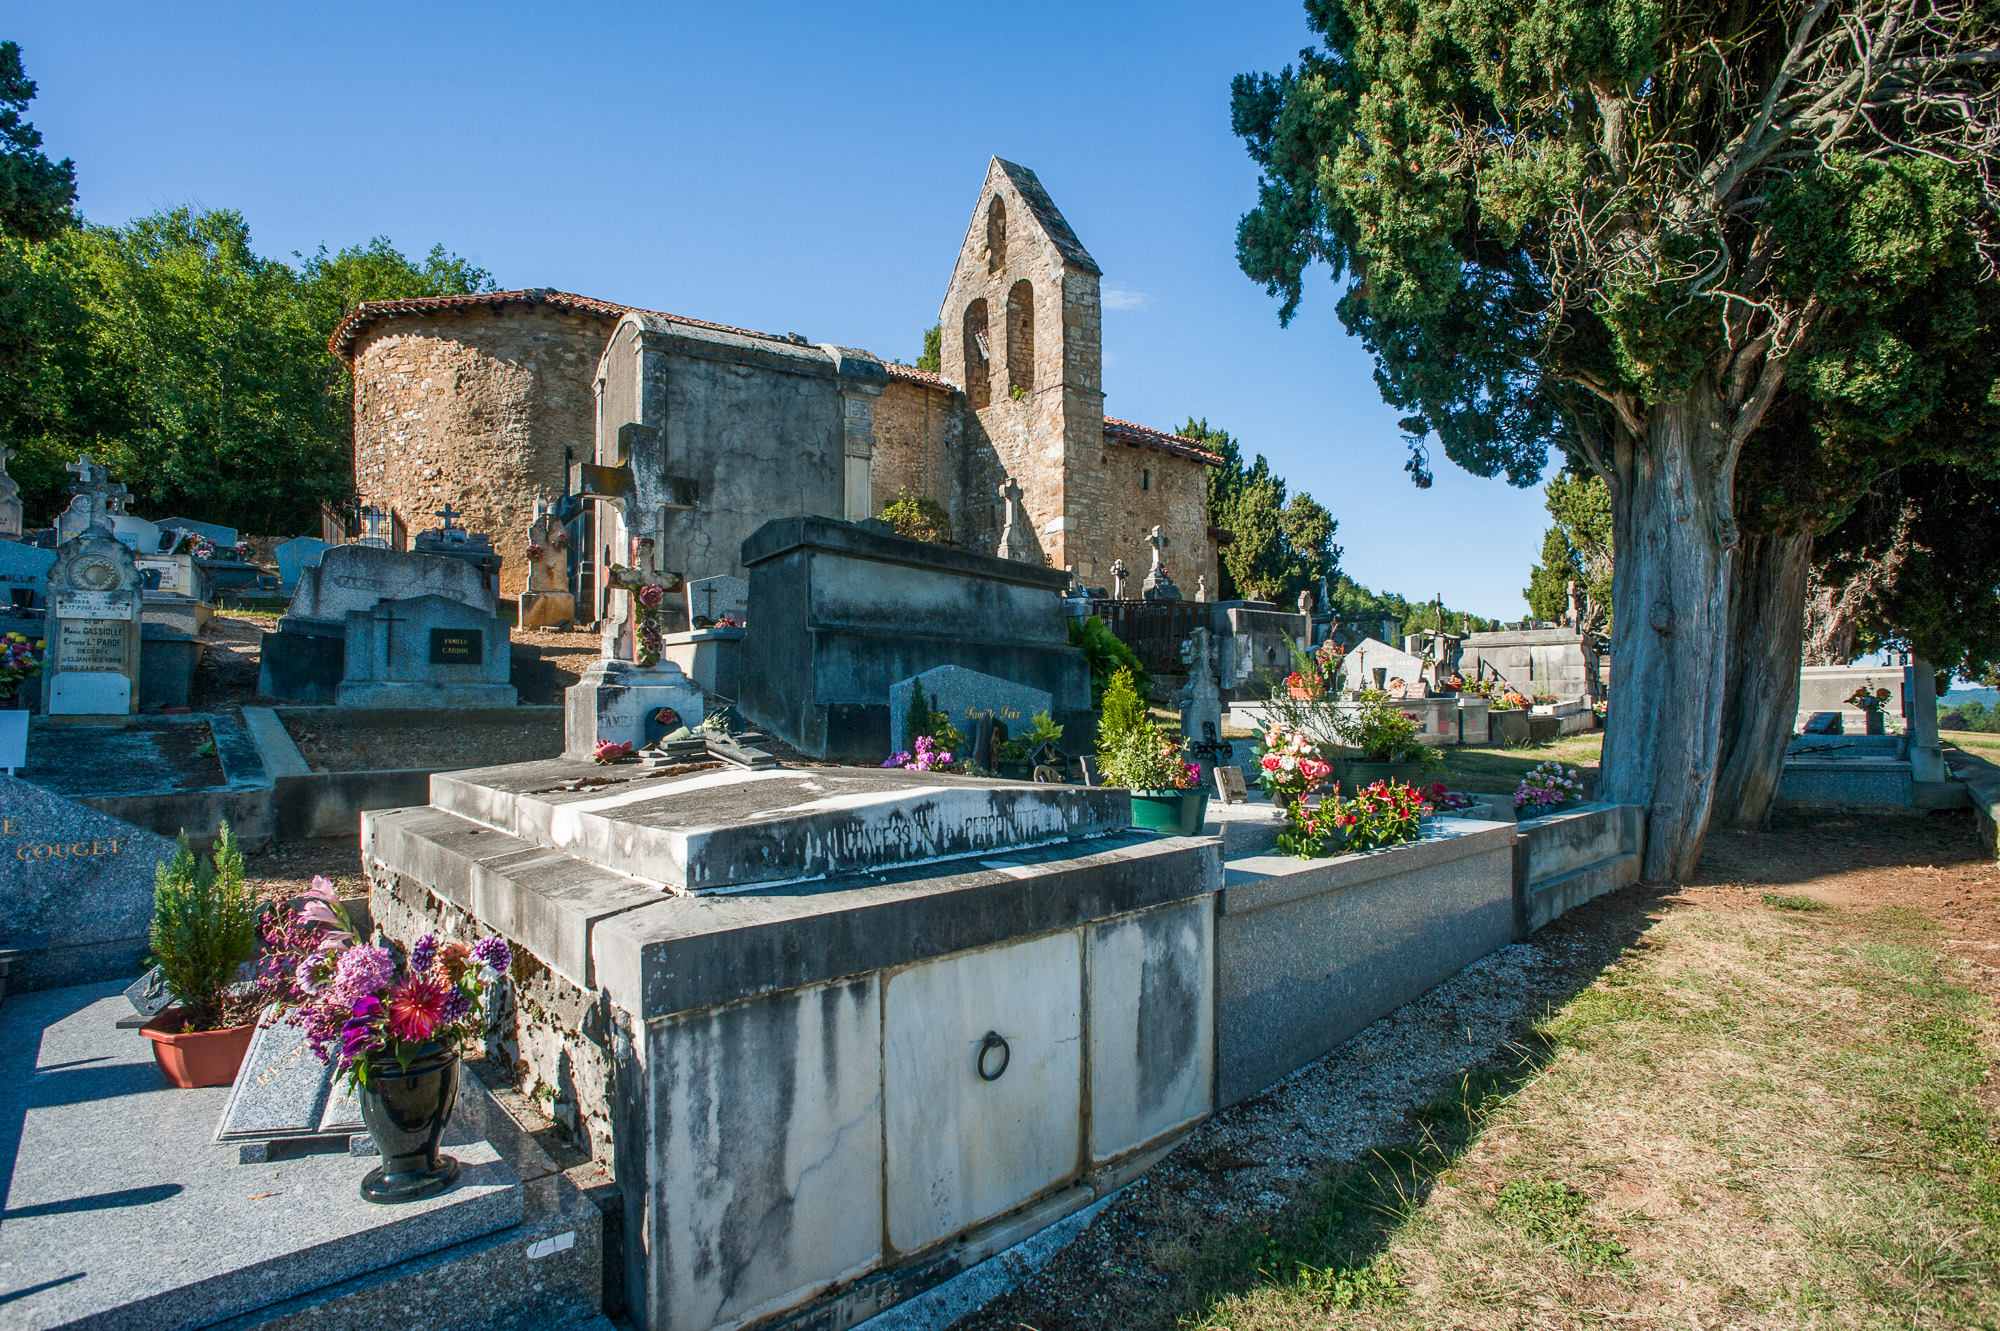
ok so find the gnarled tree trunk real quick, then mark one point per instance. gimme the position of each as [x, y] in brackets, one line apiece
[1766, 625]
[1676, 539]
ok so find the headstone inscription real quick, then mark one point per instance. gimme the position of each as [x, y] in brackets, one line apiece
[964, 696]
[76, 888]
[426, 651]
[295, 557]
[1229, 785]
[93, 627]
[546, 600]
[283, 1092]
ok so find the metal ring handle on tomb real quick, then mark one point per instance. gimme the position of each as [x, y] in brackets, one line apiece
[994, 1040]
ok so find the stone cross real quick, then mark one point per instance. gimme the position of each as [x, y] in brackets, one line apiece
[633, 632]
[1575, 613]
[1118, 575]
[1015, 542]
[1306, 602]
[1158, 540]
[447, 513]
[88, 472]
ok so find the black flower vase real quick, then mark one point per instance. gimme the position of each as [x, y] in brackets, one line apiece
[406, 1110]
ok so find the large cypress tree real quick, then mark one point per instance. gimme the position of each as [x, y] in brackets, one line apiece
[1626, 231]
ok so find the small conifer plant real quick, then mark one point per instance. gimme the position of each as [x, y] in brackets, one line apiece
[204, 927]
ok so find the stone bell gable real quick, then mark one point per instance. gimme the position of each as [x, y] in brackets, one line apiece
[1023, 337]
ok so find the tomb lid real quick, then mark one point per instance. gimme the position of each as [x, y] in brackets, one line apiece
[732, 829]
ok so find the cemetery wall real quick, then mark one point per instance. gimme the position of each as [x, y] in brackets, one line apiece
[474, 407]
[1576, 856]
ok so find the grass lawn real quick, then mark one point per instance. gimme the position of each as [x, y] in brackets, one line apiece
[1762, 1118]
[1499, 771]
[1974, 741]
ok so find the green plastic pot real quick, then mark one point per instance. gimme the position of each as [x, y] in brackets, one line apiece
[1172, 812]
[1357, 777]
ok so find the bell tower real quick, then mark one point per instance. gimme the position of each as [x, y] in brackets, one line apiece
[1023, 336]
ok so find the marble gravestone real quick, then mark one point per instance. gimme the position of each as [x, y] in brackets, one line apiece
[718, 598]
[93, 627]
[426, 651]
[295, 557]
[965, 695]
[546, 600]
[76, 888]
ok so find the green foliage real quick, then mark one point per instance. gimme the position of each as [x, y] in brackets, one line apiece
[204, 927]
[923, 719]
[1142, 757]
[1576, 549]
[1282, 546]
[1041, 733]
[933, 357]
[1974, 715]
[918, 517]
[1124, 711]
[1105, 655]
[35, 193]
[197, 370]
[1351, 598]
[1556, 1214]
[1379, 728]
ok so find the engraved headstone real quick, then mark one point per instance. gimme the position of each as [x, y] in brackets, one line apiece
[76, 888]
[718, 598]
[24, 575]
[1229, 785]
[92, 627]
[1158, 586]
[964, 696]
[546, 600]
[426, 651]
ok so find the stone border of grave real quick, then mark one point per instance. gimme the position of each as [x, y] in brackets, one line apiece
[306, 804]
[243, 800]
[1982, 785]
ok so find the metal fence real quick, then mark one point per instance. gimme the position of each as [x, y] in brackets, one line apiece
[1154, 630]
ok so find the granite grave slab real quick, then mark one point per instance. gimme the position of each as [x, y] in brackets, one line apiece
[426, 651]
[76, 888]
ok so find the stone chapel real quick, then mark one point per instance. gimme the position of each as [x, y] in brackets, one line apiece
[491, 402]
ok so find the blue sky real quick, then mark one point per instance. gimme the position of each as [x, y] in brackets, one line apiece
[791, 168]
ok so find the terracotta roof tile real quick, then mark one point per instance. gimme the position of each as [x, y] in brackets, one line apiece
[1125, 432]
[342, 342]
[912, 375]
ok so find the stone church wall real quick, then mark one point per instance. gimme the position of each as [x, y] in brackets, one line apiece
[1130, 491]
[474, 409]
[915, 436]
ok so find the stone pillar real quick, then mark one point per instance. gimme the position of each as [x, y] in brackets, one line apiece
[1926, 752]
[857, 412]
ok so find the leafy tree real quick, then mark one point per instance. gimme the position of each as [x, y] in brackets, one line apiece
[1577, 549]
[197, 370]
[933, 357]
[1626, 232]
[35, 194]
[1106, 655]
[1281, 546]
[1351, 598]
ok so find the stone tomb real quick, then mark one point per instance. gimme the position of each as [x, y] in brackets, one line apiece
[426, 651]
[76, 888]
[965, 696]
[845, 612]
[896, 1009]
[711, 654]
[93, 628]
[306, 659]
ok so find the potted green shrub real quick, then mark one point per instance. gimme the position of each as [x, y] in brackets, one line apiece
[1165, 786]
[204, 929]
[1386, 735]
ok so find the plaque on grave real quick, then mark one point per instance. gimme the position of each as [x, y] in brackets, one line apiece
[457, 647]
[280, 1091]
[1229, 785]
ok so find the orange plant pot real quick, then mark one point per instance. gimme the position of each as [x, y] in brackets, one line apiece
[1302, 694]
[197, 1058]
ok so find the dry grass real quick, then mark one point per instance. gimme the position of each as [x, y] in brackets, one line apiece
[1499, 771]
[1765, 1117]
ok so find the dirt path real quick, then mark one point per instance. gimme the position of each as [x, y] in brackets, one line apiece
[1699, 1107]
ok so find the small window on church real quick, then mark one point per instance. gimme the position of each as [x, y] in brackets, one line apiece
[978, 383]
[1145, 480]
[996, 235]
[1021, 340]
